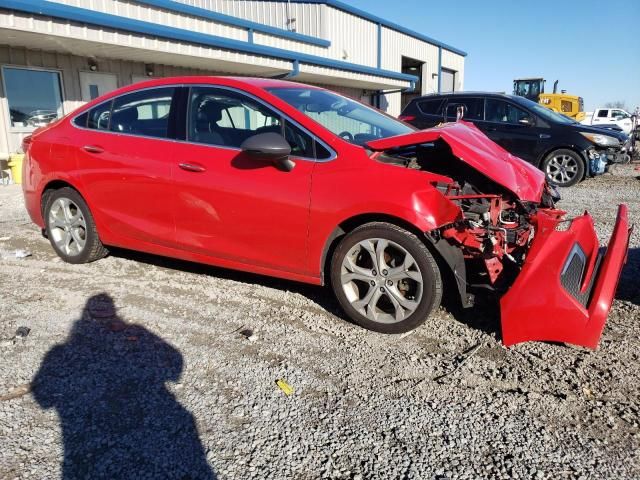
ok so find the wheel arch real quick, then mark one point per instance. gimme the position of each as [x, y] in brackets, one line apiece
[52, 186]
[444, 256]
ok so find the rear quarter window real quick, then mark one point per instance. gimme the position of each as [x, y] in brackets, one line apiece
[431, 107]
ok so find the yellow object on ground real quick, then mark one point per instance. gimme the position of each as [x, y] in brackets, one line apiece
[285, 387]
[15, 164]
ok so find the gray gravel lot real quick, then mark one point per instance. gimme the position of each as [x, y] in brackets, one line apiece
[162, 384]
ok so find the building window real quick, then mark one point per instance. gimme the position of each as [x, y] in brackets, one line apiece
[34, 96]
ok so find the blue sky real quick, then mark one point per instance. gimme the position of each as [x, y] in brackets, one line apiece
[591, 46]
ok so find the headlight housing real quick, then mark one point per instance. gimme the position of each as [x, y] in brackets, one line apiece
[601, 139]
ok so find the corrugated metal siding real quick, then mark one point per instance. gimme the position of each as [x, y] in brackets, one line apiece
[454, 62]
[70, 67]
[308, 16]
[353, 39]
[395, 45]
[145, 13]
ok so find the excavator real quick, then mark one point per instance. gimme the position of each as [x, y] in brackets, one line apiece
[533, 89]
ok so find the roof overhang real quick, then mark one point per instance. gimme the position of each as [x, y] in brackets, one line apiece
[83, 32]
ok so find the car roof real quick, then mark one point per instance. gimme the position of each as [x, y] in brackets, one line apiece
[438, 96]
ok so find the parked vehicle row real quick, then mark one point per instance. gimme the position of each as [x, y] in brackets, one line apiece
[564, 149]
[298, 182]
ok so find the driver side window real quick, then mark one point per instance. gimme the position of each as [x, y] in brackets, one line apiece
[225, 118]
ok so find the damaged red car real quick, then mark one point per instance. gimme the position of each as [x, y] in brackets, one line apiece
[298, 182]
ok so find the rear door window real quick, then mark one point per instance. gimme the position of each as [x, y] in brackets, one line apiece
[99, 116]
[431, 107]
[473, 108]
[499, 111]
[146, 113]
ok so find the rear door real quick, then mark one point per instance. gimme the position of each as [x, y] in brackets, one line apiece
[601, 117]
[123, 154]
[516, 130]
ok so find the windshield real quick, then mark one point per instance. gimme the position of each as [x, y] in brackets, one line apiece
[545, 113]
[351, 120]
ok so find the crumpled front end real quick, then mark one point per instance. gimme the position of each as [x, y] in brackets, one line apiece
[509, 238]
[566, 286]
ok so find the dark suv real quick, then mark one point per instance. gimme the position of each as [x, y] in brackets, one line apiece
[562, 148]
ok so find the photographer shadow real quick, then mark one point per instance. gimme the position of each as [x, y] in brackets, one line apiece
[118, 419]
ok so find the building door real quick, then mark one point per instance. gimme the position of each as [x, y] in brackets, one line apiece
[94, 84]
[412, 67]
[448, 81]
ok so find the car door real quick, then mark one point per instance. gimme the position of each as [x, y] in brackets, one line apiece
[231, 205]
[601, 117]
[123, 154]
[515, 129]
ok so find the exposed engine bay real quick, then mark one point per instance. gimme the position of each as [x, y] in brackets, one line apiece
[495, 228]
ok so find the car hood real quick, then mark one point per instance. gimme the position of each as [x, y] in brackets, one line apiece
[619, 134]
[475, 149]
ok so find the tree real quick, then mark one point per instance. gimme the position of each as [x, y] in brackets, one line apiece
[617, 104]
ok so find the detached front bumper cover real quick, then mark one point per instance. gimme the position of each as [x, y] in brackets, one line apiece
[566, 286]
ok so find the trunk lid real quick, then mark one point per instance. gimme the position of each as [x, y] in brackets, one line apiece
[474, 148]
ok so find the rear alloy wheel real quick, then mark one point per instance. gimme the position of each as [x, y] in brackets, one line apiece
[385, 278]
[563, 168]
[70, 227]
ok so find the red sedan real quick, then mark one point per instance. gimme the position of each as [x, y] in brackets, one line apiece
[298, 182]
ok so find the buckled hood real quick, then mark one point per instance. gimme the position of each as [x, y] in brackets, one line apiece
[474, 148]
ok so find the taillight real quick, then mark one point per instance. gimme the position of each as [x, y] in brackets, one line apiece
[26, 141]
[407, 118]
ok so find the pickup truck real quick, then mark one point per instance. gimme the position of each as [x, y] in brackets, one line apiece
[607, 117]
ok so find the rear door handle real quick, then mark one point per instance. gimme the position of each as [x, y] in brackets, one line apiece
[192, 167]
[93, 149]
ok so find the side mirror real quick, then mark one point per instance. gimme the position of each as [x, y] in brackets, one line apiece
[270, 147]
[528, 121]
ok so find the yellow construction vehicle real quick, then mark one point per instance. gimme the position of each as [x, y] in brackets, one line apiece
[533, 89]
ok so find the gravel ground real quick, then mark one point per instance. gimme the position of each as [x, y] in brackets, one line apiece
[139, 367]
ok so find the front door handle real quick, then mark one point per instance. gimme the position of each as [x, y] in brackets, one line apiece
[93, 149]
[191, 167]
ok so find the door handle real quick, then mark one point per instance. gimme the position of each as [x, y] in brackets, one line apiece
[192, 167]
[93, 149]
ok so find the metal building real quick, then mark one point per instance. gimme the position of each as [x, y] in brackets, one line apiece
[57, 54]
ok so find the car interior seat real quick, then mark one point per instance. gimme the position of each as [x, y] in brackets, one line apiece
[206, 128]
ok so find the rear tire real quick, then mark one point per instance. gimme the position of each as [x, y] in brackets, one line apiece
[70, 227]
[385, 278]
[563, 168]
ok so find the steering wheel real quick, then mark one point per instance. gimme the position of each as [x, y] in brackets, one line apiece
[346, 136]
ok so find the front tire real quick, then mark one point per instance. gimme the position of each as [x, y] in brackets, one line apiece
[385, 278]
[563, 168]
[70, 227]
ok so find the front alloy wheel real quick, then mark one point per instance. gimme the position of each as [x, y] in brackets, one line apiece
[385, 278]
[563, 168]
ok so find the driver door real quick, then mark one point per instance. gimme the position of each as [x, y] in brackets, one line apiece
[230, 205]
[504, 123]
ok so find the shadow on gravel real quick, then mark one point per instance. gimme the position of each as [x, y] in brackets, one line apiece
[322, 296]
[485, 315]
[118, 420]
[629, 286]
